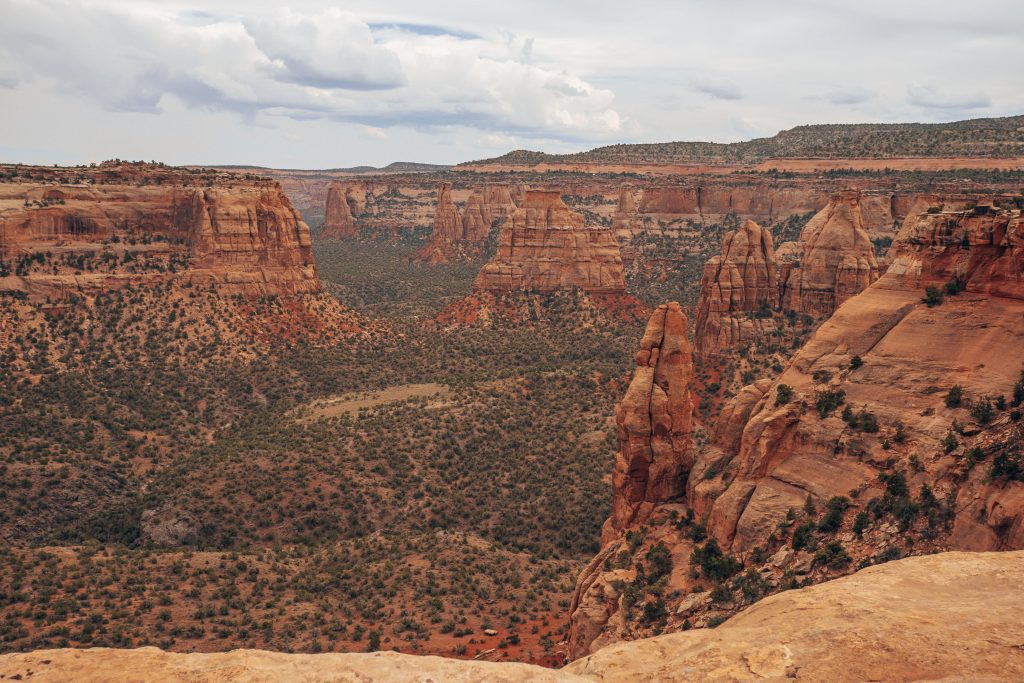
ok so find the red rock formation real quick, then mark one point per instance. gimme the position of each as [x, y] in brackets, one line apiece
[338, 220]
[624, 220]
[654, 421]
[241, 235]
[837, 261]
[544, 246]
[456, 235]
[742, 280]
[486, 204]
[778, 445]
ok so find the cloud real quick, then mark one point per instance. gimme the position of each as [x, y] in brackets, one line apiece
[332, 49]
[849, 95]
[720, 90]
[933, 98]
[326, 65]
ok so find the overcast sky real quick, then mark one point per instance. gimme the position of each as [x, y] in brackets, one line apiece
[314, 84]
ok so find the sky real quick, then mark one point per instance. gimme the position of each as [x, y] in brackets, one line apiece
[316, 84]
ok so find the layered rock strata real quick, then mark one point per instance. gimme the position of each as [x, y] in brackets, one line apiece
[240, 235]
[545, 246]
[740, 282]
[837, 259]
[654, 422]
[858, 425]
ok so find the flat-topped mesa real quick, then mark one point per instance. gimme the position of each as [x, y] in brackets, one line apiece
[545, 246]
[654, 423]
[338, 219]
[140, 225]
[741, 281]
[837, 260]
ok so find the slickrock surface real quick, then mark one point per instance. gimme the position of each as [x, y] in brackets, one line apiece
[742, 280]
[951, 616]
[152, 665]
[838, 258]
[338, 220]
[544, 246]
[654, 421]
[859, 419]
[141, 225]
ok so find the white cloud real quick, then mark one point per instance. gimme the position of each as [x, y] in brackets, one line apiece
[933, 97]
[326, 64]
[720, 90]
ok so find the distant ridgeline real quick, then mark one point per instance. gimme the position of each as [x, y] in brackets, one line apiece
[997, 137]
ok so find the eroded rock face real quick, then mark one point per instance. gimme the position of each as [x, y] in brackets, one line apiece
[544, 246]
[742, 280]
[338, 219]
[242, 236]
[654, 421]
[485, 205]
[838, 259]
[624, 220]
[462, 234]
[847, 630]
[783, 450]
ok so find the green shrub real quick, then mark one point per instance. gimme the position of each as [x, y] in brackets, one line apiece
[932, 296]
[784, 394]
[826, 400]
[955, 396]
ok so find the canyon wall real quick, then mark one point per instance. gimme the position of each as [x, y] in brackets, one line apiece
[855, 454]
[241, 236]
[338, 210]
[545, 246]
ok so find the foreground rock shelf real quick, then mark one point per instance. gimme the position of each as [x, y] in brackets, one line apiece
[943, 616]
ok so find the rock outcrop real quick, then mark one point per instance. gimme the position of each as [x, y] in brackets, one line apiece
[545, 246]
[843, 630]
[463, 234]
[837, 259]
[338, 219]
[853, 455]
[849, 630]
[654, 422]
[624, 220]
[485, 205]
[738, 291]
[235, 233]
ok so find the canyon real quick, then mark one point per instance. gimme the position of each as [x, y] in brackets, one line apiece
[904, 469]
[844, 630]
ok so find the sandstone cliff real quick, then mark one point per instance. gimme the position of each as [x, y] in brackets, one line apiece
[654, 422]
[624, 220]
[740, 282]
[463, 234]
[843, 630]
[855, 454]
[544, 246]
[837, 259]
[241, 235]
[338, 219]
